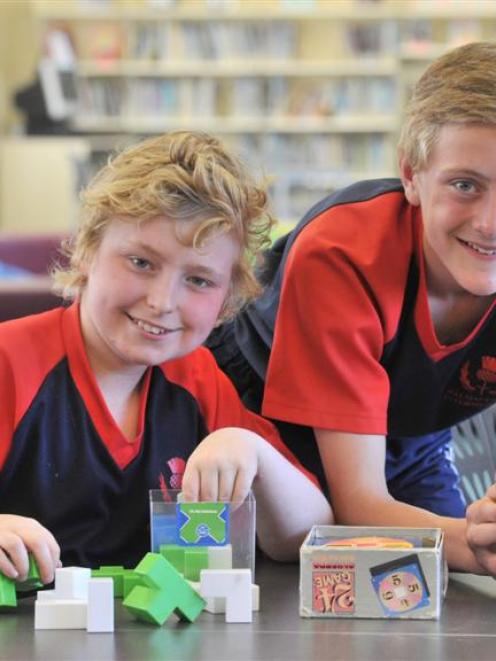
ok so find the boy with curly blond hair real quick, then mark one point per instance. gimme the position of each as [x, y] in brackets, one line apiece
[114, 395]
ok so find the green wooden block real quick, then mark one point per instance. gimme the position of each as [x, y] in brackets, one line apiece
[195, 559]
[130, 580]
[174, 554]
[150, 605]
[33, 580]
[156, 606]
[116, 573]
[156, 571]
[7, 592]
[164, 591]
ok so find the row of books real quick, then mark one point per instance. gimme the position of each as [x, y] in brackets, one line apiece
[242, 98]
[161, 39]
[283, 154]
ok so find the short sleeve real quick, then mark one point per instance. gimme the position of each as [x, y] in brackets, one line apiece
[8, 404]
[340, 301]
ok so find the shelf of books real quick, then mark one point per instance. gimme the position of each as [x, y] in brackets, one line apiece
[309, 91]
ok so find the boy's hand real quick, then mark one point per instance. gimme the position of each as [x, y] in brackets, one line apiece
[223, 466]
[481, 530]
[20, 535]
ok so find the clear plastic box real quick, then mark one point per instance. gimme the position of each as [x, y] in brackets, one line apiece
[166, 521]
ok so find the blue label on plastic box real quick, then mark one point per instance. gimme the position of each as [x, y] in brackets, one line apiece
[202, 524]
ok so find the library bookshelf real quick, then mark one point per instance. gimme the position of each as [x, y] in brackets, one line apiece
[310, 92]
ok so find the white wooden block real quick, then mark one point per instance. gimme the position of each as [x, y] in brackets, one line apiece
[46, 595]
[60, 614]
[255, 596]
[217, 605]
[72, 582]
[232, 584]
[220, 557]
[100, 605]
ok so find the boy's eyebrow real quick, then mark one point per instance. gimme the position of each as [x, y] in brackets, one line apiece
[203, 269]
[464, 172]
[206, 271]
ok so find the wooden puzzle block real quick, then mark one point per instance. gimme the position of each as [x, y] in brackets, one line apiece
[163, 591]
[60, 614]
[232, 584]
[100, 611]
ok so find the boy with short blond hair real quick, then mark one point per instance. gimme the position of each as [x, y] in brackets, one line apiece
[115, 395]
[376, 332]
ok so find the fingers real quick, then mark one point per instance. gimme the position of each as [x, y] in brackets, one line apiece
[47, 556]
[242, 486]
[14, 561]
[482, 511]
[212, 484]
[20, 536]
[190, 487]
[481, 530]
[226, 485]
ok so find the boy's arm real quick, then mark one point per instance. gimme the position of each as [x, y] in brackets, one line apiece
[19, 534]
[230, 461]
[355, 469]
[481, 530]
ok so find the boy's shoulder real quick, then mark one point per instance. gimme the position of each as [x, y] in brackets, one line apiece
[39, 334]
[197, 365]
[33, 323]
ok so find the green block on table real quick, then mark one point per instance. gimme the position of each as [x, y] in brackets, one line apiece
[156, 606]
[7, 591]
[174, 554]
[156, 572]
[195, 559]
[116, 573]
[33, 579]
[130, 580]
[165, 592]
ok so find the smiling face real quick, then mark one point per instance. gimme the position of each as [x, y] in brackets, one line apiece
[457, 194]
[149, 298]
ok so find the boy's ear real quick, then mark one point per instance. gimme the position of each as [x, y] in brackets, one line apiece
[407, 176]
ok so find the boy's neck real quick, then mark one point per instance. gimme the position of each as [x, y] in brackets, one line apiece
[122, 395]
[455, 316]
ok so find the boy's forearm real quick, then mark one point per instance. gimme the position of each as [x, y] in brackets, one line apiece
[288, 504]
[390, 512]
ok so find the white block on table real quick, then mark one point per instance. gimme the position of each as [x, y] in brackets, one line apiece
[72, 582]
[220, 557]
[60, 614]
[232, 584]
[100, 614]
[217, 605]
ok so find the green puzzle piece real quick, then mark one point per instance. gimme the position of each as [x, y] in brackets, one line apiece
[195, 559]
[203, 519]
[33, 579]
[116, 573]
[174, 554]
[131, 580]
[7, 592]
[163, 591]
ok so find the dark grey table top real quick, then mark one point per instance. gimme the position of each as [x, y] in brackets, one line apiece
[466, 630]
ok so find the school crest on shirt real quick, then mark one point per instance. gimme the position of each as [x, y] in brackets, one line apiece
[175, 479]
[478, 383]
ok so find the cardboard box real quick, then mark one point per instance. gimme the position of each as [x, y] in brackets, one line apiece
[350, 571]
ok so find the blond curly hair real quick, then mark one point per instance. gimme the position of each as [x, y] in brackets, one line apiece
[457, 88]
[183, 176]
